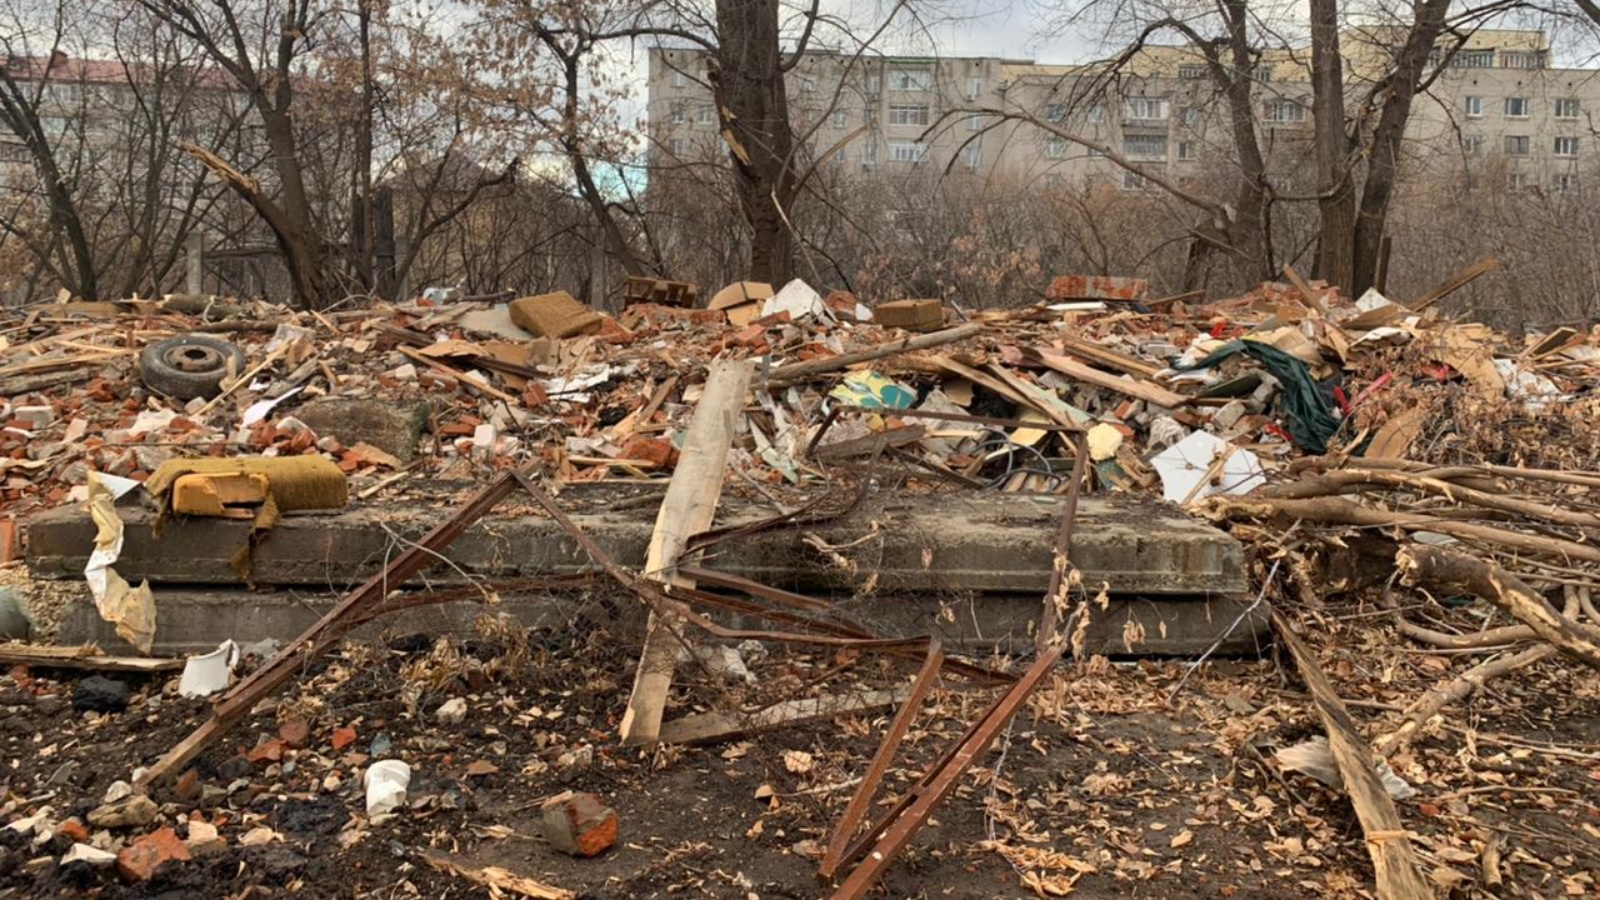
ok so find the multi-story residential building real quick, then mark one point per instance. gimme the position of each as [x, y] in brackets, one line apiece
[1498, 107]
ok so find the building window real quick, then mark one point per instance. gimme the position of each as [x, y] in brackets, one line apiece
[841, 119]
[1096, 153]
[908, 151]
[1097, 113]
[974, 87]
[974, 123]
[1567, 147]
[1517, 181]
[1516, 107]
[1052, 180]
[1516, 145]
[1472, 144]
[908, 115]
[1190, 115]
[1567, 108]
[910, 80]
[1055, 112]
[1145, 146]
[679, 79]
[1521, 59]
[1055, 148]
[1185, 150]
[1132, 181]
[1474, 107]
[973, 155]
[869, 154]
[1283, 111]
[675, 146]
[678, 116]
[1565, 183]
[706, 115]
[1191, 70]
[1472, 59]
[1145, 109]
[874, 84]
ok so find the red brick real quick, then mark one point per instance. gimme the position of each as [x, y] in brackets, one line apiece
[295, 732]
[74, 830]
[187, 787]
[652, 450]
[140, 859]
[342, 738]
[580, 824]
[1096, 287]
[266, 752]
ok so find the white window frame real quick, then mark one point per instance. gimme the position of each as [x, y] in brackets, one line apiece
[841, 118]
[910, 114]
[1189, 115]
[1565, 183]
[1191, 70]
[874, 84]
[679, 115]
[1474, 107]
[706, 115]
[1566, 147]
[1097, 113]
[679, 78]
[1055, 147]
[1145, 109]
[677, 146]
[1472, 59]
[1520, 59]
[908, 151]
[1472, 144]
[972, 156]
[1520, 103]
[869, 154]
[974, 87]
[1185, 150]
[1568, 108]
[1055, 112]
[910, 80]
[1517, 180]
[1516, 145]
[1284, 112]
[1149, 154]
[974, 122]
[1132, 181]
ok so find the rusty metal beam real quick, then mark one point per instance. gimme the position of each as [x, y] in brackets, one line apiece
[908, 816]
[833, 857]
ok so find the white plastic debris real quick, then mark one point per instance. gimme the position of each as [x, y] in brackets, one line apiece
[1534, 390]
[207, 673]
[799, 300]
[259, 409]
[1315, 758]
[1190, 469]
[386, 782]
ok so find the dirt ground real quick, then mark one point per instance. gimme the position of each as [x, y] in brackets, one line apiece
[1139, 779]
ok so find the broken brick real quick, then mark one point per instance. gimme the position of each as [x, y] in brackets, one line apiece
[657, 452]
[295, 733]
[579, 824]
[140, 860]
[342, 738]
[266, 752]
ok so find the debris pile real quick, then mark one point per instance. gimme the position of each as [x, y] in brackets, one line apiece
[1363, 449]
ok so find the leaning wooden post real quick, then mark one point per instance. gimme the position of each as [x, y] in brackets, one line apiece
[686, 510]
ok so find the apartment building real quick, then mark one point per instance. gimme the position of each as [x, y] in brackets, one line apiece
[1497, 108]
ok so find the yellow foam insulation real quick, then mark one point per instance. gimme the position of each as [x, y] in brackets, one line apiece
[290, 483]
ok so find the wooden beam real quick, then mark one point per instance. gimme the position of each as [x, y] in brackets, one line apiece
[800, 371]
[1111, 359]
[89, 658]
[707, 728]
[1460, 280]
[686, 510]
[1313, 297]
[1394, 863]
[1138, 389]
[500, 881]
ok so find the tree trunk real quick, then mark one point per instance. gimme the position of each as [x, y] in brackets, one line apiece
[361, 215]
[1384, 169]
[291, 225]
[1337, 204]
[755, 120]
[1247, 231]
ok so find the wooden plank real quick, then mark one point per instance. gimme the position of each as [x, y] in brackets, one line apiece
[1138, 389]
[706, 728]
[802, 370]
[87, 658]
[686, 510]
[500, 881]
[1313, 297]
[476, 384]
[1111, 359]
[1460, 280]
[1394, 862]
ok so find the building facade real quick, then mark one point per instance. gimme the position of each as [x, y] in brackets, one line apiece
[1496, 109]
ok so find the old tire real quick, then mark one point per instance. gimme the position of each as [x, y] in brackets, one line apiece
[189, 366]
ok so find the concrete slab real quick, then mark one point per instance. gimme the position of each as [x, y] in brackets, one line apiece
[953, 544]
[189, 620]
